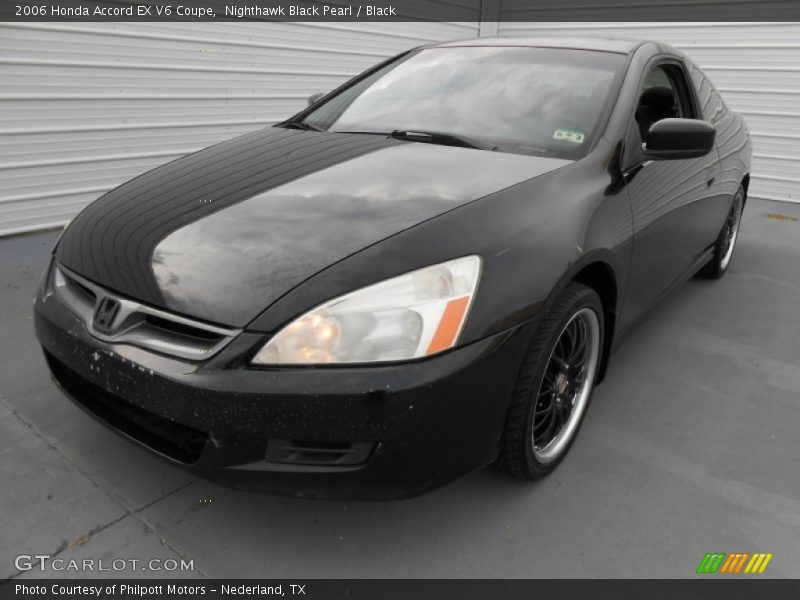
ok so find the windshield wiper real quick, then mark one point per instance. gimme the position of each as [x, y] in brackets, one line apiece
[304, 125]
[428, 137]
[437, 137]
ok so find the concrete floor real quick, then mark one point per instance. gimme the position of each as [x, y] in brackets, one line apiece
[690, 446]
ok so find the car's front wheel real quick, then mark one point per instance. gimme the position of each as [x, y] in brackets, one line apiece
[555, 385]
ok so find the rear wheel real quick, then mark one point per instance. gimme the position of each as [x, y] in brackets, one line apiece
[726, 242]
[555, 385]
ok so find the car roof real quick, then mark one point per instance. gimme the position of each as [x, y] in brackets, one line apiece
[621, 46]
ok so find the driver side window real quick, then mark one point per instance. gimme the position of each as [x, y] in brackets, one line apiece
[663, 95]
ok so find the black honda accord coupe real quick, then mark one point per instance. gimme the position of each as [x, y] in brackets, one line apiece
[422, 273]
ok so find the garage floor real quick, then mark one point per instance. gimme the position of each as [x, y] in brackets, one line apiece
[691, 446]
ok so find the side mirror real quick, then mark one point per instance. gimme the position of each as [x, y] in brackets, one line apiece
[314, 98]
[670, 139]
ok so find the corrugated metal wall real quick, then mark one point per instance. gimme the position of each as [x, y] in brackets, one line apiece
[86, 106]
[755, 66]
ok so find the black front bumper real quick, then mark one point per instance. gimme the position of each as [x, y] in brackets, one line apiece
[375, 432]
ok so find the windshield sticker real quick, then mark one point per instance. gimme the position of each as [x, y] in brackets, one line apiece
[568, 135]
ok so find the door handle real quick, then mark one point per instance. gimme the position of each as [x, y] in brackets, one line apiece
[710, 182]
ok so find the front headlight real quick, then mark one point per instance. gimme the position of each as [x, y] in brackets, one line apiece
[414, 315]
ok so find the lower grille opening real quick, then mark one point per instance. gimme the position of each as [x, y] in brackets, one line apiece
[301, 452]
[177, 441]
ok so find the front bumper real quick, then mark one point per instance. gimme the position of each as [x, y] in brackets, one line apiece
[375, 432]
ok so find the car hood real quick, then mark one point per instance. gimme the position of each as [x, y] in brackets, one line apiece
[222, 233]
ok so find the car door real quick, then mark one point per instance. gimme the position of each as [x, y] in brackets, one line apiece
[669, 198]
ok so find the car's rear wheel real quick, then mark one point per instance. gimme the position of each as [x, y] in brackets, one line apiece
[726, 242]
[555, 385]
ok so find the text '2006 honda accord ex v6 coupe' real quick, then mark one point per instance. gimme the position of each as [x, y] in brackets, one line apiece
[420, 274]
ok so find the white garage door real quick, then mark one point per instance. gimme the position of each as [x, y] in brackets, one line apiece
[756, 67]
[86, 106]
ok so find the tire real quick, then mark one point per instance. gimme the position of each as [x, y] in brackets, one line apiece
[541, 390]
[726, 241]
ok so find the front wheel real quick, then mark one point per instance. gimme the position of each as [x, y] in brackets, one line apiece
[555, 385]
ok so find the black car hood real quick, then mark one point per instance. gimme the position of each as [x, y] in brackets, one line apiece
[221, 234]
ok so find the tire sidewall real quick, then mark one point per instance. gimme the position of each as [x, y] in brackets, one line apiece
[713, 269]
[718, 254]
[587, 299]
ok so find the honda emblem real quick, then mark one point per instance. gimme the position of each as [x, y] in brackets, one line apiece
[105, 314]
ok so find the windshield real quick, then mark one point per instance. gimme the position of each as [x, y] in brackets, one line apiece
[540, 101]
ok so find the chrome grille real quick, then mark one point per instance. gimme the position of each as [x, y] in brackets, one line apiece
[137, 324]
